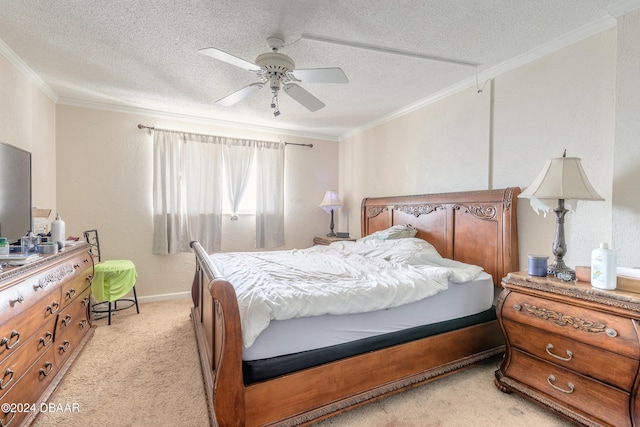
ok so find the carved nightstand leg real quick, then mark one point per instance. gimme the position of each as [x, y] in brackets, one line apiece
[502, 387]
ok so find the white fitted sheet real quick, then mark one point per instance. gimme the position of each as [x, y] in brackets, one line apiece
[307, 333]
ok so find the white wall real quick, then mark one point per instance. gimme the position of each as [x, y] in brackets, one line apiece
[564, 100]
[105, 181]
[626, 171]
[28, 122]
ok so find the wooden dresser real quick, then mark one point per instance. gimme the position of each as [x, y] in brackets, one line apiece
[572, 348]
[44, 323]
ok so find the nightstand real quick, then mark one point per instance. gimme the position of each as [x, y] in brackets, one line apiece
[572, 348]
[330, 240]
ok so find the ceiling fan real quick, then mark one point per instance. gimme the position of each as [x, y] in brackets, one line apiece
[279, 72]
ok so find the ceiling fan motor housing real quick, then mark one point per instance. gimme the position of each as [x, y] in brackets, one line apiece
[277, 65]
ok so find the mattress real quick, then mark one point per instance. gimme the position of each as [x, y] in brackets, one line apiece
[299, 335]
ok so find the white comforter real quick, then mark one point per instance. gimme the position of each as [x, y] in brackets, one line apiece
[343, 278]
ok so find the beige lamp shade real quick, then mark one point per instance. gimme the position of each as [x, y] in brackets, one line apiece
[562, 178]
[331, 201]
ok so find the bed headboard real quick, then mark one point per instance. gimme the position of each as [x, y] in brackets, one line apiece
[475, 227]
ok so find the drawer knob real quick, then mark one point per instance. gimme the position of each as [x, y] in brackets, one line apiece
[18, 300]
[517, 307]
[6, 342]
[65, 321]
[611, 332]
[46, 339]
[48, 367]
[64, 346]
[70, 293]
[6, 421]
[551, 379]
[6, 379]
[53, 308]
[565, 359]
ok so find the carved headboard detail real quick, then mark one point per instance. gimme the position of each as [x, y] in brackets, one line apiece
[476, 227]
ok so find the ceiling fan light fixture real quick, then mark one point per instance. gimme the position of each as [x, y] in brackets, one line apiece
[279, 71]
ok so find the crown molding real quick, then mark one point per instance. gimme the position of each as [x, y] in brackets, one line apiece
[121, 108]
[622, 7]
[603, 24]
[31, 75]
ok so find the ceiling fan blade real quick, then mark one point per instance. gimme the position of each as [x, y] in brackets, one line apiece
[321, 75]
[228, 58]
[387, 50]
[303, 97]
[239, 95]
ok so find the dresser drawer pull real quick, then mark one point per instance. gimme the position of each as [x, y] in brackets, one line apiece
[48, 367]
[18, 300]
[6, 379]
[89, 278]
[65, 321]
[551, 379]
[70, 293]
[85, 301]
[6, 342]
[76, 266]
[53, 308]
[6, 422]
[83, 323]
[611, 332]
[517, 307]
[566, 359]
[64, 346]
[46, 339]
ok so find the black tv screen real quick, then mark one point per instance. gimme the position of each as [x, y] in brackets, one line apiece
[15, 192]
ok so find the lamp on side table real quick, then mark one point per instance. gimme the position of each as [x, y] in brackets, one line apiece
[330, 203]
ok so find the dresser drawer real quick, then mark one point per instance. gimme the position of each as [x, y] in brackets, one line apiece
[571, 390]
[611, 368]
[76, 283]
[73, 324]
[14, 366]
[41, 310]
[26, 393]
[604, 330]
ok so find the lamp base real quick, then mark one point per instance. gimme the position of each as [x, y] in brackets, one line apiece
[560, 270]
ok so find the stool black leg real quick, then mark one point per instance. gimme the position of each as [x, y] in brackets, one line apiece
[109, 323]
[135, 297]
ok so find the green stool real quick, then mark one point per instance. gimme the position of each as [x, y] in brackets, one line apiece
[112, 280]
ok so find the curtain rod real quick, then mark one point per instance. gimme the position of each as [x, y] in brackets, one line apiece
[151, 128]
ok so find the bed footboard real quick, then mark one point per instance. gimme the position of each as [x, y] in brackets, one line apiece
[217, 322]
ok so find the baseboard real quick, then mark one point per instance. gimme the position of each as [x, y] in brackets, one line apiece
[164, 297]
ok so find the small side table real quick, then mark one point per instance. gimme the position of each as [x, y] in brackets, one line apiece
[318, 240]
[572, 348]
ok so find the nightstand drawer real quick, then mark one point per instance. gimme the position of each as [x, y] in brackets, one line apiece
[608, 367]
[568, 389]
[607, 331]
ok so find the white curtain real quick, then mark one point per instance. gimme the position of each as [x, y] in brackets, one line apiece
[187, 189]
[238, 158]
[269, 194]
[187, 202]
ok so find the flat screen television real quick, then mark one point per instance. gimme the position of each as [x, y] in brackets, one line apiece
[15, 192]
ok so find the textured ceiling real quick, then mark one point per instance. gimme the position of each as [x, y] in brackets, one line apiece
[143, 54]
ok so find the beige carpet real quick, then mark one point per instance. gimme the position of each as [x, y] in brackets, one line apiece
[144, 370]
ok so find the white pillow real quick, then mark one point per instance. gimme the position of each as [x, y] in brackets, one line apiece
[393, 232]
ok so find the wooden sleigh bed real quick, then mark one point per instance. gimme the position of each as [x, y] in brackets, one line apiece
[476, 227]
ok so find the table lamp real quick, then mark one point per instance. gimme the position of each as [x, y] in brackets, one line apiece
[330, 203]
[561, 178]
